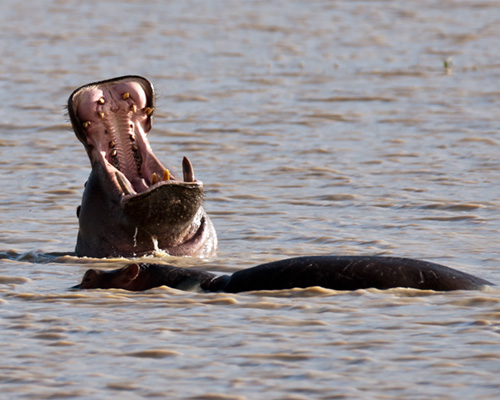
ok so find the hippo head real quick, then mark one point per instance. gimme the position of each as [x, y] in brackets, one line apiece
[122, 278]
[132, 205]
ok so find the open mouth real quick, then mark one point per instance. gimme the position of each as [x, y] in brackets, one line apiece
[132, 204]
[112, 119]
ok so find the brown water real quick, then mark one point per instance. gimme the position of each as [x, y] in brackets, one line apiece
[318, 127]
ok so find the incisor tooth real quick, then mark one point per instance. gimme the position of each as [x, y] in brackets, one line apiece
[124, 184]
[187, 170]
[101, 100]
[148, 110]
[114, 153]
[86, 124]
[133, 108]
[166, 175]
[134, 147]
[154, 178]
[126, 95]
[101, 114]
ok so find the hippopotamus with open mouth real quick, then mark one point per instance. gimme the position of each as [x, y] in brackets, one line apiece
[132, 205]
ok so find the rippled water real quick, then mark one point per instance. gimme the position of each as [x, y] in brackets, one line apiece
[318, 127]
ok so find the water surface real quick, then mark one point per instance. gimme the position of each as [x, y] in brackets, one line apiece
[318, 127]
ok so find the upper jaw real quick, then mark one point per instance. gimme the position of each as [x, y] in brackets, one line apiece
[92, 106]
[112, 119]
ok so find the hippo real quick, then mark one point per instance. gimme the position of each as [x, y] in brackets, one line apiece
[330, 272]
[132, 204]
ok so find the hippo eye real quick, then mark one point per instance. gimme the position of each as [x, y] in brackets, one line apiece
[87, 279]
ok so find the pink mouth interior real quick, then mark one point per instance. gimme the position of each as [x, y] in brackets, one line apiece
[116, 118]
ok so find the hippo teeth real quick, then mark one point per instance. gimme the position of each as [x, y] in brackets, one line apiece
[154, 178]
[125, 185]
[187, 170]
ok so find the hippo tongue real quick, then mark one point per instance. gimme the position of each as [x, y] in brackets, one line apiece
[128, 188]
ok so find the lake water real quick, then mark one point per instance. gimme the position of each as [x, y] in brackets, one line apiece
[318, 127]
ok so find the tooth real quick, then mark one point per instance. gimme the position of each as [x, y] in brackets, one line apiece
[133, 108]
[112, 144]
[126, 95]
[86, 124]
[114, 153]
[148, 110]
[124, 184]
[101, 114]
[132, 137]
[154, 178]
[134, 147]
[101, 100]
[187, 170]
[166, 175]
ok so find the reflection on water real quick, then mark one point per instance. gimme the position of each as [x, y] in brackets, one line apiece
[317, 127]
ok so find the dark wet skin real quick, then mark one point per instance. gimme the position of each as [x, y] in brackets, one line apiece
[331, 272]
[132, 204]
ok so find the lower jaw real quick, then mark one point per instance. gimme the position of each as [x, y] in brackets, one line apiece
[136, 184]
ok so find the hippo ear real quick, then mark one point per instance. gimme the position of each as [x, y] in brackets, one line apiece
[90, 274]
[131, 272]
[89, 279]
